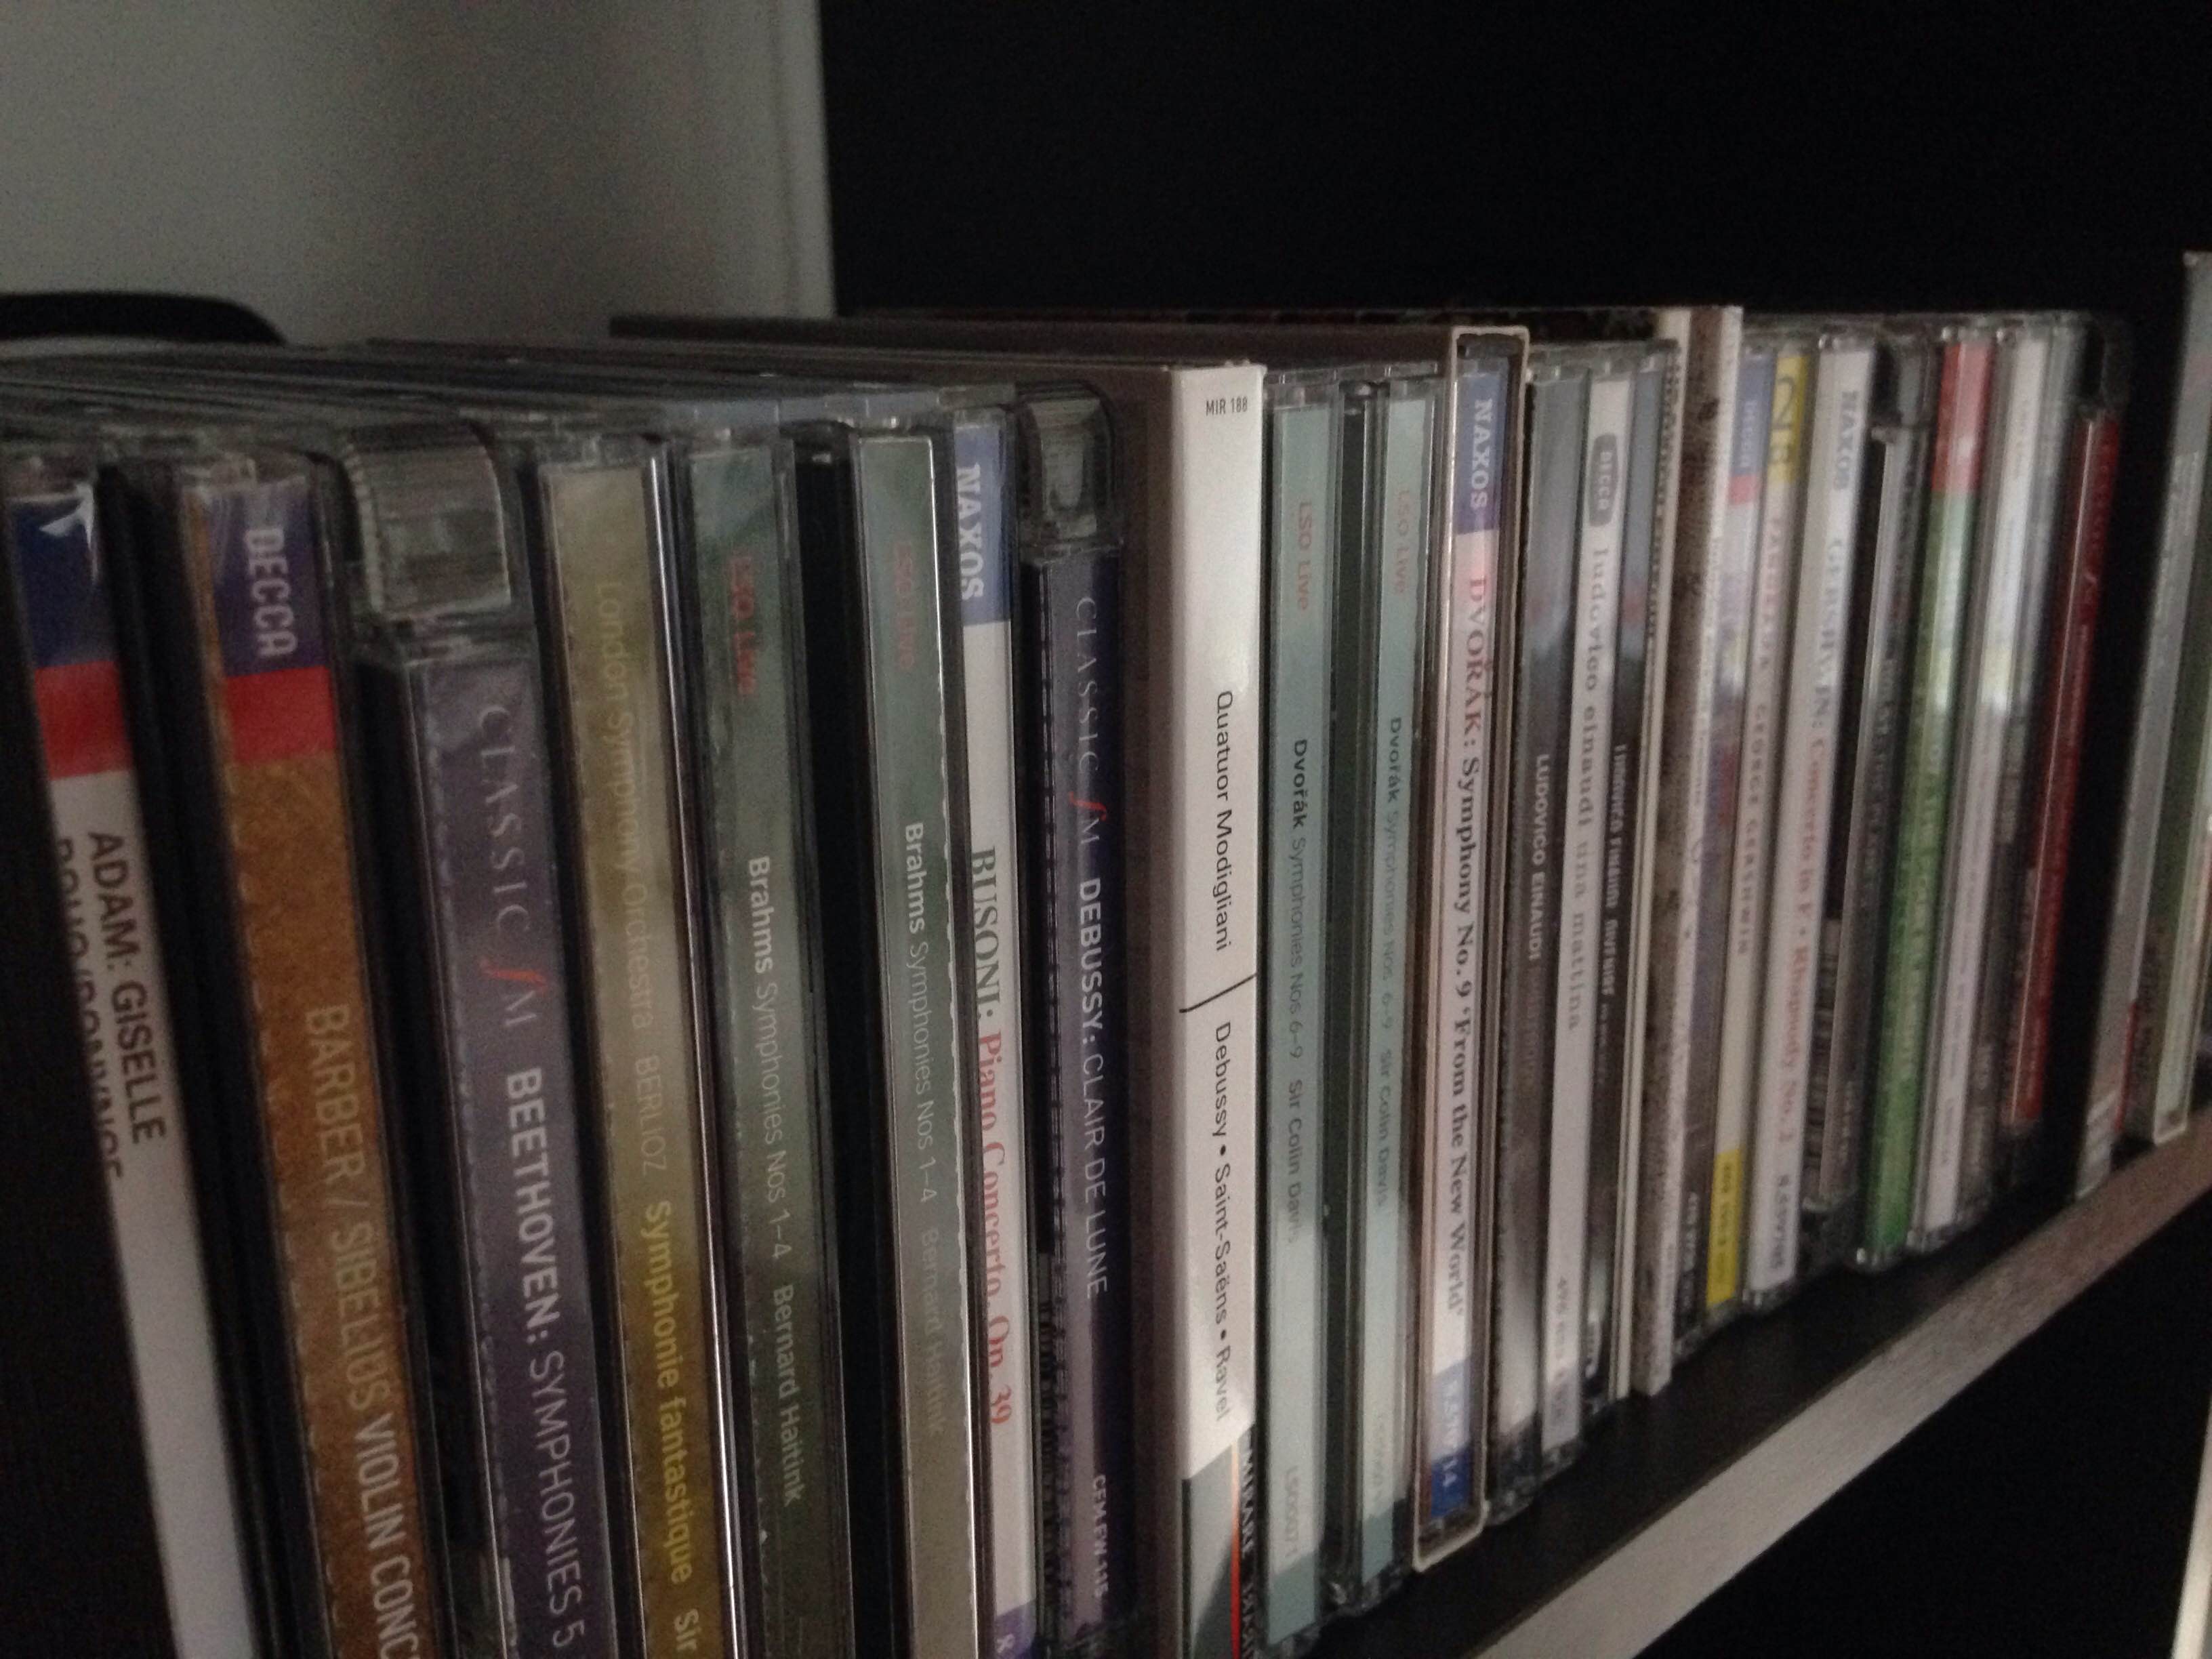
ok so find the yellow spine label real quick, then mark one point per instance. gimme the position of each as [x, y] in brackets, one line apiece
[1725, 1255]
[1746, 995]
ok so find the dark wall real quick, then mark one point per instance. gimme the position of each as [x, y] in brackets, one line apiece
[1058, 155]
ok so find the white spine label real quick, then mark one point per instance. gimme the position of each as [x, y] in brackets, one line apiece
[1985, 706]
[1683, 761]
[1002, 1123]
[124, 1024]
[125, 1019]
[1804, 807]
[1210, 580]
[1752, 863]
[1459, 860]
[1590, 748]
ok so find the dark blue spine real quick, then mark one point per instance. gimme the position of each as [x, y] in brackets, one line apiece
[1072, 737]
[495, 913]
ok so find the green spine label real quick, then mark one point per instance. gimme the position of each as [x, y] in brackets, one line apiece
[1925, 803]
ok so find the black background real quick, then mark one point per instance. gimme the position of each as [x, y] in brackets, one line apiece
[2043, 1514]
[1929, 156]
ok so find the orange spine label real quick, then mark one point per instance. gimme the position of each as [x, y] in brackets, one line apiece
[257, 590]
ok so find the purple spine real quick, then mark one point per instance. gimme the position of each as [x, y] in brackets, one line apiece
[1074, 741]
[513, 1099]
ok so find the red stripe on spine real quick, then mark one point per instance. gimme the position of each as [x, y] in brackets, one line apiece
[1961, 409]
[279, 714]
[81, 718]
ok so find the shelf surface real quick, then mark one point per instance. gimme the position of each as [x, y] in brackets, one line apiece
[1673, 1496]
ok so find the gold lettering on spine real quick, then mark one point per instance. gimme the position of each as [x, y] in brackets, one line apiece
[641, 1025]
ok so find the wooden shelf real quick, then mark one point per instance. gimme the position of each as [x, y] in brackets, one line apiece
[1674, 1495]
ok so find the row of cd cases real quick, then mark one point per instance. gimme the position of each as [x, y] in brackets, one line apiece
[1074, 993]
[1760, 660]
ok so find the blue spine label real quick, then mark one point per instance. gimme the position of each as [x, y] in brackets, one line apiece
[65, 605]
[979, 495]
[1475, 506]
[267, 592]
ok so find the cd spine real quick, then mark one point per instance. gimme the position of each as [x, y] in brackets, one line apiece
[1372, 1532]
[626, 871]
[1556, 416]
[1710, 341]
[1198, 618]
[982, 481]
[1455, 1042]
[1743, 1012]
[100, 843]
[1642, 825]
[1923, 803]
[1734, 584]
[2172, 676]
[2161, 1064]
[1988, 1146]
[2091, 463]
[916, 852]
[1303, 572]
[482, 783]
[1624, 880]
[1072, 616]
[765, 992]
[882, 709]
[273, 710]
[1864, 836]
[1586, 762]
[452, 713]
[1350, 782]
[1803, 802]
[1945, 1198]
[2169, 998]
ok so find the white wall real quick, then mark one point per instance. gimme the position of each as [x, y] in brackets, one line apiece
[418, 167]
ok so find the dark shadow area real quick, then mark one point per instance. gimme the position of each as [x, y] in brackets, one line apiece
[2045, 1511]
